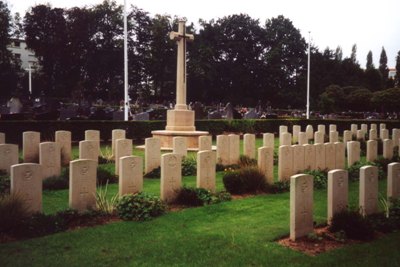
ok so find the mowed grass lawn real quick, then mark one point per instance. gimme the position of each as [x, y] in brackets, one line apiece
[236, 233]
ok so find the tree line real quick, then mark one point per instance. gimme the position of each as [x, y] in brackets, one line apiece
[234, 59]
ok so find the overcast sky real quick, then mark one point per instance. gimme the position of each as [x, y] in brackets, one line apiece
[369, 24]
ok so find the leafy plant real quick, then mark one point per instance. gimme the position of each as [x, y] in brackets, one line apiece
[245, 161]
[278, 187]
[354, 170]
[320, 178]
[190, 196]
[189, 166]
[105, 175]
[4, 183]
[139, 207]
[353, 224]
[245, 180]
[12, 211]
[104, 204]
[106, 156]
[221, 196]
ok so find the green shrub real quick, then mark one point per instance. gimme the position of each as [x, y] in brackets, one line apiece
[245, 180]
[4, 183]
[221, 196]
[12, 211]
[189, 166]
[40, 224]
[382, 164]
[320, 178]
[354, 170]
[190, 196]
[105, 175]
[353, 224]
[155, 173]
[57, 182]
[139, 207]
[278, 187]
[245, 161]
[363, 147]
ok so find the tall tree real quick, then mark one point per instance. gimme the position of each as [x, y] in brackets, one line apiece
[370, 63]
[383, 68]
[353, 55]
[339, 53]
[398, 69]
[17, 27]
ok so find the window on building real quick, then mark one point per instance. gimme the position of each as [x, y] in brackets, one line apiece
[17, 43]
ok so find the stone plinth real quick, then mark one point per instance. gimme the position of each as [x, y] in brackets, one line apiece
[180, 120]
[166, 137]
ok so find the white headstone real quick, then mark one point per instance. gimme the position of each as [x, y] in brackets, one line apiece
[50, 159]
[330, 156]
[295, 130]
[332, 128]
[8, 156]
[395, 137]
[320, 156]
[321, 128]
[309, 157]
[368, 190]
[353, 152]
[179, 145]
[382, 126]
[298, 158]
[388, 149]
[89, 150]
[393, 182]
[333, 137]
[354, 129]
[63, 139]
[26, 182]
[374, 126]
[364, 128]
[319, 138]
[269, 140]
[223, 149]
[360, 135]
[372, 150]
[384, 134]
[340, 152]
[152, 154]
[347, 136]
[30, 146]
[92, 135]
[206, 161]
[2, 138]
[285, 139]
[116, 134]
[285, 163]
[373, 135]
[82, 184]
[123, 148]
[266, 163]
[301, 206]
[338, 188]
[130, 175]
[283, 129]
[302, 138]
[171, 176]
[205, 143]
[234, 148]
[249, 145]
[310, 132]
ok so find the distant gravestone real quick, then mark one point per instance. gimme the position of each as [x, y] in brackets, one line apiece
[269, 140]
[50, 159]
[63, 139]
[330, 156]
[265, 163]
[285, 139]
[382, 126]
[223, 149]
[171, 176]
[395, 137]
[283, 129]
[388, 149]
[319, 137]
[285, 163]
[234, 148]
[364, 128]
[320, 156]
[205, 143]
[249, 145]
[321, 129]
[372, 150]
[340, 152]
[130, 175]
[2, 138]
[384, 134]
[251, 114]
[301, 206]
[333, 137]
[206, 162]
[142, 116]
[373, 135]
[368, 190]
[92, 135]
[338, 188]
[26, 182]
[309, 157]
[296, 130]
[353, 129]
[123, 148]
[298, 158]
[179, 145]
[360, 135]
[347, 136]
[30, 146]
[89, 150]
[374, 126]
[310, 132]
[152, 154]
[82, 184]
[353, 152]
[302, 138]
[393, 182]
[116, 134]
[332, 128]
[8, 156]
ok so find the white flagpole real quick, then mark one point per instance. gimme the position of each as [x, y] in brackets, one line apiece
[126, 96]
[308, 78]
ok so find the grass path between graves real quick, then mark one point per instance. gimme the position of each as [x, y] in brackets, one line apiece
[236, 233]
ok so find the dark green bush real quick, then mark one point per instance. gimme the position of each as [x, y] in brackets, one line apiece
[382, 164]
[221, 196]
[353, 224]
[104, 175]
[12, 211]
[278, 187]
[190, 196]
[4, 183]
[189, 166]
[245, 161]
[156, 173]
[363, 147]
[245, 180]
[139, 207]
[354, 170]
[57, 182]
[320, 178]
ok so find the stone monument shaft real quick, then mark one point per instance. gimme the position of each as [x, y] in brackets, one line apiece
[181, 38]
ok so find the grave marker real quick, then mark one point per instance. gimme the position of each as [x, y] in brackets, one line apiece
[8, 156]
[320, 156]
[269, 140]
[223, 149]
[338, 188]
[171, 176]
[130, 175]
[30, 146]
[393, 182]
[205, 143]
[309, 157]
[372, 150]
[388, 149]
[234, 148]
[116, 134]
[285, 163]
[63, 139]
[368, 190]
[340, 152]
[152, 154]
[353, 152]
[330, 156]
[123, 148]
[206, 162]
[265, 163]
[50, 159]
[89, 150]
[249, 145]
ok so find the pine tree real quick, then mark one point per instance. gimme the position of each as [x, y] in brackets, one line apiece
[398, 69]
[383, 68]
[353, 56]
[370, 63]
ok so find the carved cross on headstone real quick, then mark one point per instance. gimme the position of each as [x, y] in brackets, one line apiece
[84, 192]
[181, 37]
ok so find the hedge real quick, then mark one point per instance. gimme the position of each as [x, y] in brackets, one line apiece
[139, 130]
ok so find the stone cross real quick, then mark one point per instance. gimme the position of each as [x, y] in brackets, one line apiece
[181, 37]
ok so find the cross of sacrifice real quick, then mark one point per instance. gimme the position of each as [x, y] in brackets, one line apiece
[181, 37]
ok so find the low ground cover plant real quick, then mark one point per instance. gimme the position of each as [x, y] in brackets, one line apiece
[139, 207]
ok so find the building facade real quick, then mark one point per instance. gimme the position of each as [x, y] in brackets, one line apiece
[19, 49]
